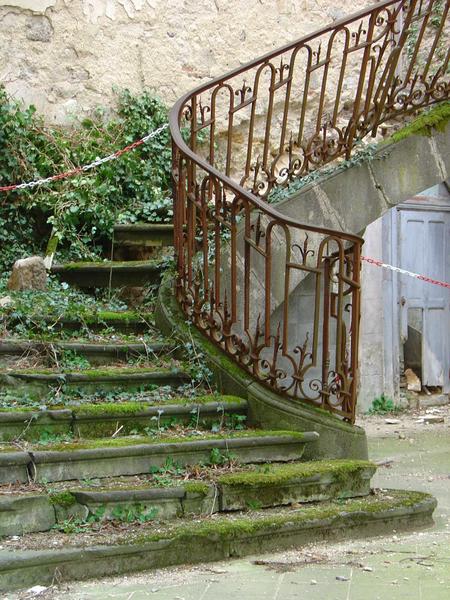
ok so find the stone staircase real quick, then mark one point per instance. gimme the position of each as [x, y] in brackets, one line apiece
[116, 457]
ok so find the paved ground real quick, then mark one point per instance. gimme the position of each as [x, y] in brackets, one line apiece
[414, 566]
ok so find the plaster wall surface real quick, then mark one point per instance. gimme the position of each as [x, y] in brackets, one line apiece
[65, 56]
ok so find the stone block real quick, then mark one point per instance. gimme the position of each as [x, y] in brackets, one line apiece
[25, 514]
[28, 274]
[165, 502]
[14, 467]
[335, 482]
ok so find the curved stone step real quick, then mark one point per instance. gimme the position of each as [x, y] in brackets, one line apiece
[96, 353]
[109, 273]
[144, 234]
[133, 456]
[36, 383]
[104, 419]
[221, 537]
[135, 499]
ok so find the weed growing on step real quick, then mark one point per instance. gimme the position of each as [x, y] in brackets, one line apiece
[164, 476]
[131, 513]
[218, 458]
[236, 422]
[383, 405]
[71, 360]
[128, 513]
[48, 437]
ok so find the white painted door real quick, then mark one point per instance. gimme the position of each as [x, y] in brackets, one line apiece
[424, 247]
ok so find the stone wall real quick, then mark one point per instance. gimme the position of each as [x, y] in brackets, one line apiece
[65, 56]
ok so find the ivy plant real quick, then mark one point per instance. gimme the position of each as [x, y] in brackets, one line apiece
[82, 210]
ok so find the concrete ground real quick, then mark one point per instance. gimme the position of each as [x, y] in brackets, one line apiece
[414, 566]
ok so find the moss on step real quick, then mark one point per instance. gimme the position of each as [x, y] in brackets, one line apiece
[434, 119]
[63, 499]
[123, 316]
[132, 408]
[196, 487]
[225, 528]
[343, 471]
[167, 439]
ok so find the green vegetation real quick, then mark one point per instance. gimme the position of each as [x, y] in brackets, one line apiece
[132, 408]
[81, 212]
[219, 459]
[254, 504]
[121, 513]
[164, 476]
[111, 402]
[71, 360]
[196, 487]
[131, 513]
[433, 119]
[110, 372]
[35, 314]
[383, 405]
[63, 499]
[47, 437]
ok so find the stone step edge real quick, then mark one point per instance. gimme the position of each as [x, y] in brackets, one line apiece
[143, 227]
[114, 376]
[208, 541]
[231, 443]
[26, 425]
[106, 266]
[136, 458]
[144, 234]
[66, 414]
[15, 347]
[110, 273]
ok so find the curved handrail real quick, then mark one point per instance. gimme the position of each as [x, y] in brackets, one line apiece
[262, 205]
[240, 293]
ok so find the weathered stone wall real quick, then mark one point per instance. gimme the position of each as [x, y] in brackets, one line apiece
[65, 56]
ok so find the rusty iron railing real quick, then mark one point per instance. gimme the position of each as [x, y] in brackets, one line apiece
[282, 298]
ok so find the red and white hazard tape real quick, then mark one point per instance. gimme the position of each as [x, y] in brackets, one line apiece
[78, 170]
[378, 263]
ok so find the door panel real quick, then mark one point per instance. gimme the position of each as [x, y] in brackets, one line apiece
[425, 248]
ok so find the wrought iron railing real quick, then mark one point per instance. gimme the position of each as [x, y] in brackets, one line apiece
[281, 297]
